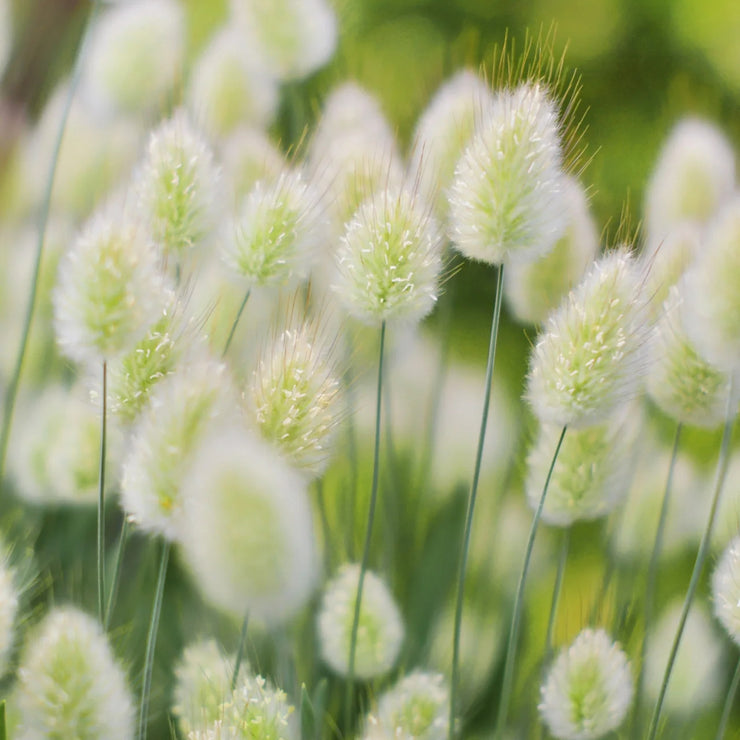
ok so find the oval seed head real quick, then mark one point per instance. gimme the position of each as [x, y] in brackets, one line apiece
[681, 382]
[591, 475]
[276, 233]
[136, 55]
[109, 290]
[296, 398]
[249, 156]
[182, 409]
[8, 611]
[416, 708]
[506, 200]
[389, 260]
[294, 37]
[69, 684]
[445, 129]
[202, 685]
[694, 176]
[229, 85]
[380, 630]
[711, 306]
[588, 689]
[726, 590]
[533, 289]
[697, 679]
[588, 360]
[176, 185]
[248, 531]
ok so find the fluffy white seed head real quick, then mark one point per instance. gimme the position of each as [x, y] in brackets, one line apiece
[380, 631]
[182, 409]
[295, 396]
[55, 455]
[588, 688]
[444, 130]
[353, 152]
[591, 475]
[681, 382]
[177, 185]
[506, 200]
[389, 260]
[136, 55]
[415, 708]
[697, 679]
[69, 684]
[275, 235]
[711, 306]
[588, 360]
[248, 531]
[533, 289]
[294, 37]
[202, 685]
[694, 175]
[8, 611]
[726, 589]
[229, 85]
[110, 289]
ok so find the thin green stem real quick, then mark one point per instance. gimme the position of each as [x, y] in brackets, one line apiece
[556, 590]
[465, 547]
[101, 498]
[151, 641]
[729, 701]
[113, 593]
[325, 528]
[11, 393]
[368, 536]
[701, 557]
[511, 647]
[240, 651]
[236, 321]
[652, 575]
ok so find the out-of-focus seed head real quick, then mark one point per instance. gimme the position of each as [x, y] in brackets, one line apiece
[136, 56]
[684, 385]
[592, 472]
[249, 156]
[588, 689]
[726, 590]
[182, 409]
[444, 130]
[230, 86]
[202, 685]
[415, 708]
[8, 610]
[589, 358]
[177, 185]
[248, 530]
[711, 307]
[110, 289]
[694, 176]
[69, 684]
[380, 631]
[294, 37]
[389, 260]
[295, 396]
[506, 200]
[276, 233]
[533, 289]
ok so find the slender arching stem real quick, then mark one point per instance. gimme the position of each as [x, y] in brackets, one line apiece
[368, 536]
[465, 547]
[12, 390]
[101, 500]
[113, 593]
[240, 651]
[151, 641]
[236, 322]
[701, 557]
[652, 574]
[516, 618]
[729, 701]
[556, 590]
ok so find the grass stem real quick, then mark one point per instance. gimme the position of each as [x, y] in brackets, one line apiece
[101, 497]
[729, 701]
[240, 651]
[236, 322]
[113, 593]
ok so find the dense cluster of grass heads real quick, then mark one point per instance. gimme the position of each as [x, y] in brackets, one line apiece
[246, 494]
